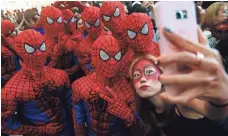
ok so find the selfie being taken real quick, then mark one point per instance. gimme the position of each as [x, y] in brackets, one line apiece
[114, 68]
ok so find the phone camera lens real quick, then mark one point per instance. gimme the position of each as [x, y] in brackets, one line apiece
[178, 15]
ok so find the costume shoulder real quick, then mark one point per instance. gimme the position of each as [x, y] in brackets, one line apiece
[19, 83]
[59, 76]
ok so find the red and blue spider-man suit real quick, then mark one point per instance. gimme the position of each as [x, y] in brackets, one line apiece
[9, 60]
[61, 45]
[8, 28]
[95, 28]
[138, 31]
[106, 111]
[113, 15]
[35, 100]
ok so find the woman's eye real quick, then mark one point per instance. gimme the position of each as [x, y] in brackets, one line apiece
[149, 71]
[136, 75]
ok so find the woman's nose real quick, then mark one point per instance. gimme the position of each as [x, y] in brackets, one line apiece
[143, 80]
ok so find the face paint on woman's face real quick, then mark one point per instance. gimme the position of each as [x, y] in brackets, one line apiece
[145, 78]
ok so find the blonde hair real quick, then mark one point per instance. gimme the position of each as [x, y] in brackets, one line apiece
[136, 60]
[211, 13]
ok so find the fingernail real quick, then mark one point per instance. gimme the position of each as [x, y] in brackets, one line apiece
[168, 29]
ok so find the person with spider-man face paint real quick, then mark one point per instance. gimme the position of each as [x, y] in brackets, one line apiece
[105, 97]
[35, 99]
[95, 28]
[113, 15]
[138, 31]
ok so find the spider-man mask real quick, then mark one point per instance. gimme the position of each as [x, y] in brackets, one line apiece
[113, 14]
[69, 20]
[92, 22]
[31, 47]
[138, 30]
[62, 5]
[7, 27]
[51, 21]
[108, 56]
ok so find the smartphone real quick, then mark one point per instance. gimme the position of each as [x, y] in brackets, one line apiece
[180, 17]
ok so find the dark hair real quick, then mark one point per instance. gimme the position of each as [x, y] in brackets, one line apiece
[197, 14]
[146, 111]
[19, 17]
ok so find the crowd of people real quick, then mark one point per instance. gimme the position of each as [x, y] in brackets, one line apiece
[96, 69]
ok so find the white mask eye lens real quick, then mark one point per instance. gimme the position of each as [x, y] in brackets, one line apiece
[29, 49]
[145, 29]
[97, 23]
[131, 34]
[59, 20]
[106, 18]
[118, 56]
[49, 20]
[136, 75]
[104, 56]
[73, 20]
[87, 25]
[43, 47]
[117, 12]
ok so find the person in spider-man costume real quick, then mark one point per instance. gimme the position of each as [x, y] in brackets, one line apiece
[62, 5]
[113, 15]
[9, 61]
[51, 21]
[62, 55]
[95, 28]
[69, 21]
[8, 28]
[35, 100]
[138, 31]
[104, 100]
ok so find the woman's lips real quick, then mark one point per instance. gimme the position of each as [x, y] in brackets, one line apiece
[144, 87]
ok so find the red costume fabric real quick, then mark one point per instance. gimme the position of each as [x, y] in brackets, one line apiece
[95, 28]
[35, 100]
[61, 55]
[62, 5]
[138, 31]
[70, 24]
[7, 27]
[9, 60]
[109, 111]
[51, 21]
[69, 21]
[113, 15]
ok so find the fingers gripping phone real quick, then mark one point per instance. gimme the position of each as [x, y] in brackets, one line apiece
[180, 17]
